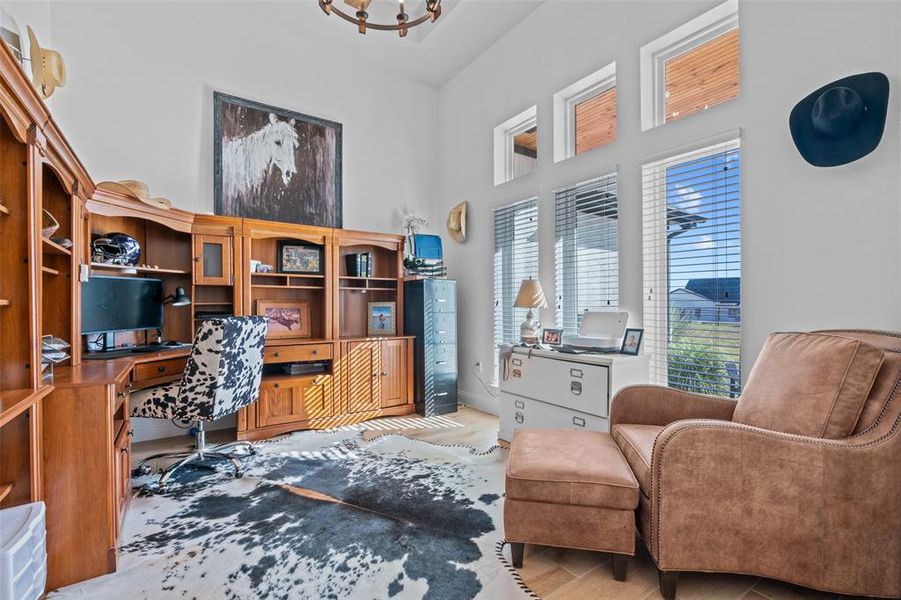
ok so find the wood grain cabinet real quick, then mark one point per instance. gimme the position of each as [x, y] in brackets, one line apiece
[213, 260]
[393, 373]
[376, 375]
[298, 400]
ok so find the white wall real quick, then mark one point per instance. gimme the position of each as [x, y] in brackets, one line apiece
[820, 246]
[138, 104]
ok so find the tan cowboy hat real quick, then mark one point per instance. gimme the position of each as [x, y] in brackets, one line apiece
[456, 222]
[48, 70]
[134, 189]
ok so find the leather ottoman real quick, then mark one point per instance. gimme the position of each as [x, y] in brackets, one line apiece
[571, 489]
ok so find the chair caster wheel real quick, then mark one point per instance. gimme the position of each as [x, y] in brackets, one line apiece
[239, 475]
[142, 471]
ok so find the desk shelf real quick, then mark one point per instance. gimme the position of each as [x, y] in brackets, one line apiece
[51, 247]
[163, 271]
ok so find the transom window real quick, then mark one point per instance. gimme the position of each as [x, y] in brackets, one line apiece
[585, 114]
[691, 69]
[516, 146]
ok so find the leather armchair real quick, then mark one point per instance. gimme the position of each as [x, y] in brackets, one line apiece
[721, 496]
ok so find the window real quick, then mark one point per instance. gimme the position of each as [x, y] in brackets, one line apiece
[587, 250]
[585, 114]
[515, 259]
[692, 269]
[692, 68]
[516, 146]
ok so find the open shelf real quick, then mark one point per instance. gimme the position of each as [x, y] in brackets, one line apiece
[5, 489]
[3, 209]
[223, 303]
[14, 402]
[393, 279]
[304, 275]
[95, 265]
[49, 271]
[288, 287]
[51, 247]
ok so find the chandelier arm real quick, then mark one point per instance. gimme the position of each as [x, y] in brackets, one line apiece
[379, 26]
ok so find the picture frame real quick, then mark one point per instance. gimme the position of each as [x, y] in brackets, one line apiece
[552, 337]
[275, 163]
[632, 342]
[381, 318]
[287, 319]
[300, 258]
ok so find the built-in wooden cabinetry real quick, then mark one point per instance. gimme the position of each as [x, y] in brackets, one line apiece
[66, 439]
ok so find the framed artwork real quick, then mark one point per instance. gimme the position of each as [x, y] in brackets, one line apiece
[632, 341]
[382, 319]
[300, 257]
[286, 318]
[552, 337]
[275, 164]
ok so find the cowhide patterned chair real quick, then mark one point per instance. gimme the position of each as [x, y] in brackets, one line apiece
[222, 376]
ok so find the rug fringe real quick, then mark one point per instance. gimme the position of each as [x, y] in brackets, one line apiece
[499, 551]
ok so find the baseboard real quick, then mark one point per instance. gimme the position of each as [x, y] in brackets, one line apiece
[155, 429]
[482, 402]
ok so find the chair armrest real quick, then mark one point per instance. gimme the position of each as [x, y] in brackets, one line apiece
[658, 405]
[732, 497]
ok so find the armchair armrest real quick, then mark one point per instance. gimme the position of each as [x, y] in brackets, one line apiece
[658, 405]
[818, 512]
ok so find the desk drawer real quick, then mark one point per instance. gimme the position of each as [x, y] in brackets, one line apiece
[298, 353]
[172, 367]
[573, 385]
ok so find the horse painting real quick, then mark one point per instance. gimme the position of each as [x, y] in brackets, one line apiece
[276, 164]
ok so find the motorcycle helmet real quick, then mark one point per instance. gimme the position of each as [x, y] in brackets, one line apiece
[116, 249]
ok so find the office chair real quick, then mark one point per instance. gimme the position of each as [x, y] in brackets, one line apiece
[222, 376]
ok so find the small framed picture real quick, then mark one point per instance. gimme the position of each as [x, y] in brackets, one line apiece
[632, 342]
[382, 318]
[552, 337]
[300, 257]
[286, 319]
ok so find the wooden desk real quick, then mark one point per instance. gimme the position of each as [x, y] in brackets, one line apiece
[87, 459]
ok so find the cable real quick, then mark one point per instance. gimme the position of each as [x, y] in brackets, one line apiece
[487, 387]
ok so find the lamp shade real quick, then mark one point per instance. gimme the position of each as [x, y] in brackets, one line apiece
[530, 295]
[179, 298]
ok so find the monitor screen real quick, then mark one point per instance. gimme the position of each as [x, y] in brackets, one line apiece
[121, 304]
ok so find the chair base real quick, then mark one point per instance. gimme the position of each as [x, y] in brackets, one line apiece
[230, 452]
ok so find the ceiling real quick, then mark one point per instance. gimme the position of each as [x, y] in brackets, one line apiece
[433, 52]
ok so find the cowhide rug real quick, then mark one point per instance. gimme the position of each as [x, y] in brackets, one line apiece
[322, 515]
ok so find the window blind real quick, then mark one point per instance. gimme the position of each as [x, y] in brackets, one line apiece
[587, 250]
[702, 77]
[692, 269]
[515, 259]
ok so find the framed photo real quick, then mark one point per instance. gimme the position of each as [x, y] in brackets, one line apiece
[632, 342]
[286, 318]
[275, 164]
[382, 318]
[552, 337]
[300, 257]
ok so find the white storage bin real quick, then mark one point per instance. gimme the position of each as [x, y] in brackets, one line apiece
[23, 552]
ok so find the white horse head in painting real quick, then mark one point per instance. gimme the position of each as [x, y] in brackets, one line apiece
[246, 161]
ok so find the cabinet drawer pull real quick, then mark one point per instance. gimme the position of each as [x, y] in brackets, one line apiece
[519, 404]
[440, 362]
[519, 418]
[315, 352]
[575, 387]
[578, 421]
[441, 300]
[442, 333]
[440, 394]
[276, 354]
[124, 450]
[575, 373]
[277, 385]
[516, 361]
[384, 374]
[161, 369]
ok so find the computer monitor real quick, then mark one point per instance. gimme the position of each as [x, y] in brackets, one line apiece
[111, 304]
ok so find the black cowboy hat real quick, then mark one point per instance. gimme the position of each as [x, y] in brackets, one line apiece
[841, 121]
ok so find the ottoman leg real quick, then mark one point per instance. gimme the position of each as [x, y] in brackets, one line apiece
[620, 564]
[668, 582]
[516, 552]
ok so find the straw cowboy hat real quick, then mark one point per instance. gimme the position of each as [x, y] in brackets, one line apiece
[134, 189]
[48, 71]
[842, 121]
[456, 222]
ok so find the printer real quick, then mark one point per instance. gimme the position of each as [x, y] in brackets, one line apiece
[599, 332]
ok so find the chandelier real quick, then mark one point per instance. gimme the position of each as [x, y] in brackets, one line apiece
[361, 17]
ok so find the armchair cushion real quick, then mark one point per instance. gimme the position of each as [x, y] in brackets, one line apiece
[637, 444]
[809, 384]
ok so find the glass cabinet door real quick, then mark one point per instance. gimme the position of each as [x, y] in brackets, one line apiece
[213, 260]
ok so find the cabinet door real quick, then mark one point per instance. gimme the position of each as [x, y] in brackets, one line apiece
[121, 476]
[362, 371]
[294, 400]
[393, 373]
[213, 260]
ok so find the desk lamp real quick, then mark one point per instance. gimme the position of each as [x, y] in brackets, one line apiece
[530, 296]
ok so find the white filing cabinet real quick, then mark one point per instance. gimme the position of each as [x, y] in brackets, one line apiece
[545, 389]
